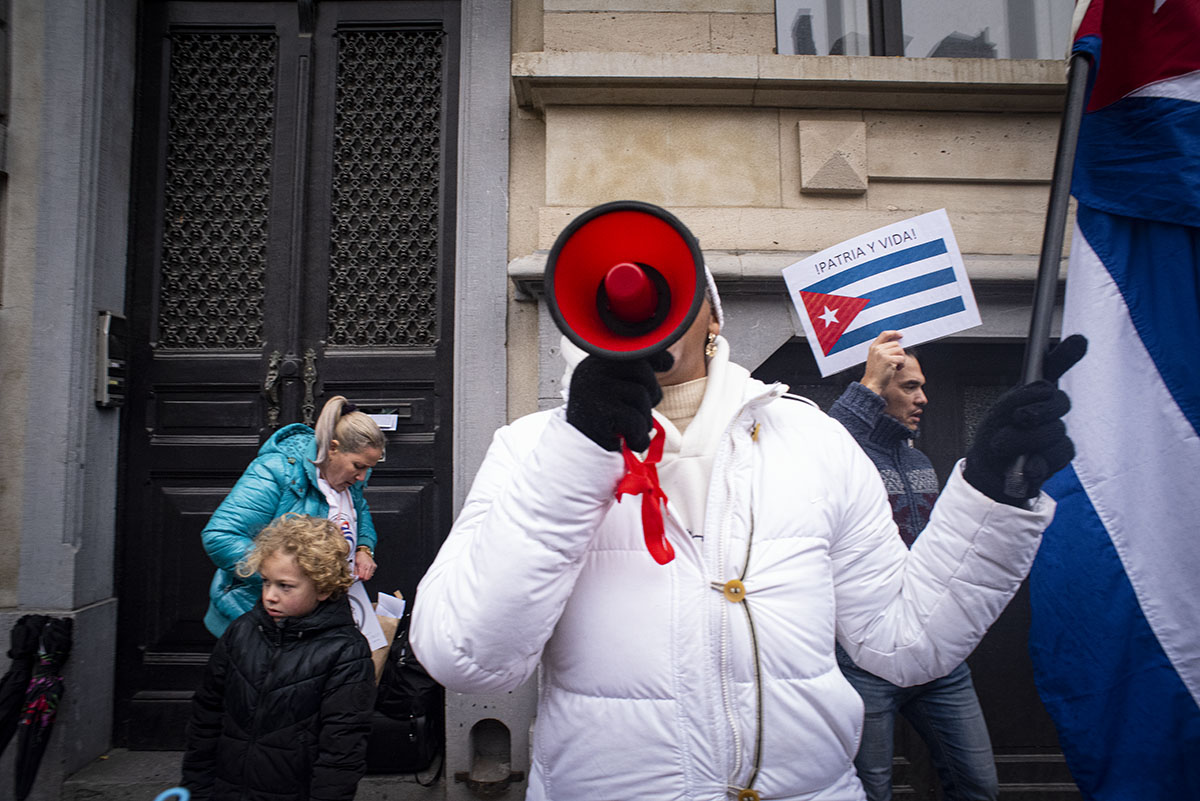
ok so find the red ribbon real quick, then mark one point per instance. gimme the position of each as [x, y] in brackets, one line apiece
[641, 478]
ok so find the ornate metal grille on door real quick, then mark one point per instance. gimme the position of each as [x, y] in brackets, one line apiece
[220, 121]
[384, 248]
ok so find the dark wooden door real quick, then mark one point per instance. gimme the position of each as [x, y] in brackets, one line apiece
[292, 240]
[963, 379]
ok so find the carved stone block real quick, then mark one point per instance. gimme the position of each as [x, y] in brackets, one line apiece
[833, 157]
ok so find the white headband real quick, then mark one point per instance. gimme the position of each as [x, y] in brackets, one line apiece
[713, 298]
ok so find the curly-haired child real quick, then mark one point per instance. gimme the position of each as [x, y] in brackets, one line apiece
[284, 709]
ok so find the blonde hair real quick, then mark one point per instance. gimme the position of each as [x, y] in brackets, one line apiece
[355, 431]
[318, 546]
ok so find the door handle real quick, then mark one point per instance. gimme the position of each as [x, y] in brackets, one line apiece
[310, 379]
[271, 389]
[280, 367]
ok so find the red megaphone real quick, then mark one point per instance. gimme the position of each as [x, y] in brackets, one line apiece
[624, 280]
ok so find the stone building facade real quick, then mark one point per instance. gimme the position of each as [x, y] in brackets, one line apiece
[560, 105]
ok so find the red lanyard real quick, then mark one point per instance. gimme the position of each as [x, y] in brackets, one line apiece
[641, 478]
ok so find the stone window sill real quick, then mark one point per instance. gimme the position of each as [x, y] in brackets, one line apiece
[831, 82]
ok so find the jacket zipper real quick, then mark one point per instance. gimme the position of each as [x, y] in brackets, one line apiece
[722, 533]
[723, 458]
[730, 713]
[737, 592]
[276, 646]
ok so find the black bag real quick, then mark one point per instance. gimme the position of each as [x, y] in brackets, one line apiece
[406, 727]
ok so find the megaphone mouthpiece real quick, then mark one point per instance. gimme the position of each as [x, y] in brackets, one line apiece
[631, 294]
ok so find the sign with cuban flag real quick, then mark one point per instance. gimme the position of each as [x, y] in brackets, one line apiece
[908, 276]
[1115, 588]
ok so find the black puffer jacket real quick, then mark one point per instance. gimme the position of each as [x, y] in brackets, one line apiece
[284, 710]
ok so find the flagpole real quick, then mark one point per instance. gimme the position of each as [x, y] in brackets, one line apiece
[1041, 318]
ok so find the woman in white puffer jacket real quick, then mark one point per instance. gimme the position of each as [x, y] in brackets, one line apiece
[712, 676]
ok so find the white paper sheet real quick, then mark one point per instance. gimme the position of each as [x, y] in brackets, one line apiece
[907, 276]
[364, 616]
[389, 606]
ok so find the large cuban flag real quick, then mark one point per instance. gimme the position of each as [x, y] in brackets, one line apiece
[1115, 636]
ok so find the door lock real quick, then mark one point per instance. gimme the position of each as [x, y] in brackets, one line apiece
[280, 367]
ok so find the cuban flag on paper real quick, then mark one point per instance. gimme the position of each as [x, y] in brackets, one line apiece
[1115, 633]
[908, 276]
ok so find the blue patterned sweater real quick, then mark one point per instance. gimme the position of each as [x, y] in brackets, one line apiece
[911, 482]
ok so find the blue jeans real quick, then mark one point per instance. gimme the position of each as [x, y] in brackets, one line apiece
[945, 712]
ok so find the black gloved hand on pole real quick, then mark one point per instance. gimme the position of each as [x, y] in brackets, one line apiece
[1026, 421]
[611, 399]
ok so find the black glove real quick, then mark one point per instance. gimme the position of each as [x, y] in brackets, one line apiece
[610, 399]
[1026, 420]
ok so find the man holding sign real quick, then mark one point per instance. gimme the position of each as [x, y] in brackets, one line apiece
[882, 412]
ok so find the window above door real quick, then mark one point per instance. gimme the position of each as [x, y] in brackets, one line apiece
[1001, 29]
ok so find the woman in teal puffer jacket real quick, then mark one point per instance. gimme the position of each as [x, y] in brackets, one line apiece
[320, 473]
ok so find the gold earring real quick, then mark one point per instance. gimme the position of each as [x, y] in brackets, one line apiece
[710, 345]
